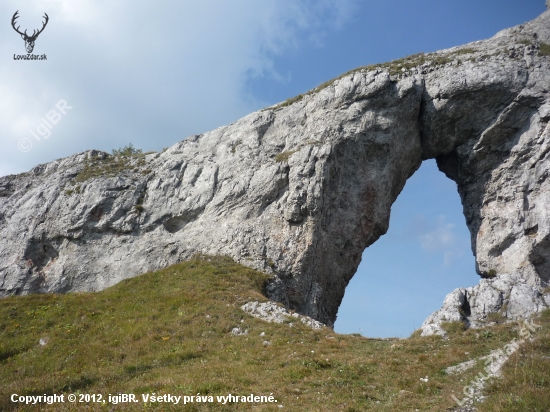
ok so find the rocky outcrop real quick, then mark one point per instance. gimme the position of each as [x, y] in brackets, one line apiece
[505, 297]
[300, 189]
[271, 312]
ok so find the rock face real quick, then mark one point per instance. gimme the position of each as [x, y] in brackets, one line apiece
[300, 189]
[505, 297]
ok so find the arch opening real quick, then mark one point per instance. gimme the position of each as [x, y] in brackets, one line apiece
[405, 275]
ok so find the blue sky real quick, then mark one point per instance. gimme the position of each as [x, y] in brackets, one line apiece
[153, 73]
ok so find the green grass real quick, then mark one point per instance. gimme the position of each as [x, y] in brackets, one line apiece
[525, 385]
[544, 49]
[69, 192]
[169, 332]
[453, 327]
[465, 50]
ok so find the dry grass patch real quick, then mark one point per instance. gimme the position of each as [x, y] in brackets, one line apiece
[122, 160]
[111, 166]
[283, 156]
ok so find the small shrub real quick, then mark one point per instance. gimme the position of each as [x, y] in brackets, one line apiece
[490, 274]
[129, 150]
[544, 49]
[138, 208]
[69, 192]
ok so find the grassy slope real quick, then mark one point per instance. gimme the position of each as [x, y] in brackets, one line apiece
[169, 332]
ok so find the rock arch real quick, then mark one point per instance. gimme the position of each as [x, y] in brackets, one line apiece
[300, 189]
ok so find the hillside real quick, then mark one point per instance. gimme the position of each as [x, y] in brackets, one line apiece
[170, 332]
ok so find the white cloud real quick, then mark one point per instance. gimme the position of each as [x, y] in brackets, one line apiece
[145, 72]
[441, 239]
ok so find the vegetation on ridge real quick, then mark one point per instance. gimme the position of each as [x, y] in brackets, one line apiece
[394, 68]
[128, 150]
[126, 158]
[169, 332]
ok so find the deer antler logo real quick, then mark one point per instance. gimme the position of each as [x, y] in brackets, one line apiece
[29, 40]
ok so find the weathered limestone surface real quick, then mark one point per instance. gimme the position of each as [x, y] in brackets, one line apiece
[272, 312]
[299, 190]
[505, 297]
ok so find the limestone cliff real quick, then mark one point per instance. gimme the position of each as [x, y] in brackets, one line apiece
[300, 189]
